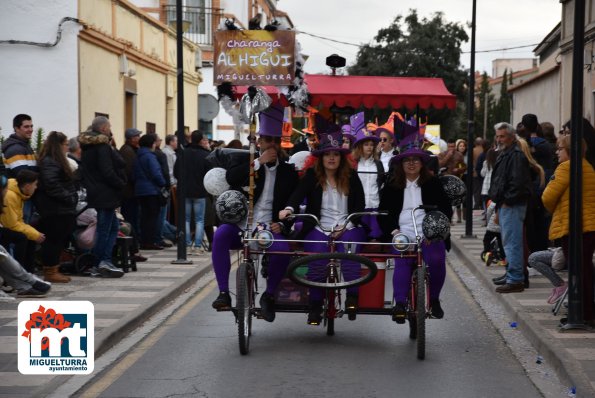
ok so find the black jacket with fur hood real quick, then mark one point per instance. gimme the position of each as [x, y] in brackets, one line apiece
[103, 171]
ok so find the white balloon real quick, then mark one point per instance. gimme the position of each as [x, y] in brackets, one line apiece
[299, 159]
[215, 182]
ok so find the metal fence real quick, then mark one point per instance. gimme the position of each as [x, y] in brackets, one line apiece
[203, 22]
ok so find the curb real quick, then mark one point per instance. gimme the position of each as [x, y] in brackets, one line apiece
[112, 335]
[568, 370]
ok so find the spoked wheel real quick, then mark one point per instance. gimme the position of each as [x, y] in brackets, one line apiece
[303, 274]
[243, 307]
[420, 311]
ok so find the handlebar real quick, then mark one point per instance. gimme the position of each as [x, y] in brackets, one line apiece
[421, 207]
[336, 228]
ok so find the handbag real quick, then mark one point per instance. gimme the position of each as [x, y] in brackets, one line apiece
[85, 239]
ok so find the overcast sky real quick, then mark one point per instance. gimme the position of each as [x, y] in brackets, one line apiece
[500, 24]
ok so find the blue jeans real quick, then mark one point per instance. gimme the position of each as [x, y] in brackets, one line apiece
[161, 223]
[511, 227]
[105, 234]
[198, 204]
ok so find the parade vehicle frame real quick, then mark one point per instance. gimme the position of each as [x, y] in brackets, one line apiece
[329, 278]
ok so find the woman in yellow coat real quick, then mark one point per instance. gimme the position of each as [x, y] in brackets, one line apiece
[556, 199]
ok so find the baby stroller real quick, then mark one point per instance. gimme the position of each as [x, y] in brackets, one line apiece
[77, 258]
[493, 254]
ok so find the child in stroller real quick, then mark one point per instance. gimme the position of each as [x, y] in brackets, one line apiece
[493, 250]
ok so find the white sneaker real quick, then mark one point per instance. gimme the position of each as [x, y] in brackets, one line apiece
[109, 270]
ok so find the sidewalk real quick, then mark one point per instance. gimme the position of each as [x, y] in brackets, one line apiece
[570, 353]
[121, 305]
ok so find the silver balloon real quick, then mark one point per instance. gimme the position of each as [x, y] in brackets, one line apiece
[250, 107]
[261, 101]
[245, 109]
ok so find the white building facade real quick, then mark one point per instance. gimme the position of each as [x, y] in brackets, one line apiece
[39, 81]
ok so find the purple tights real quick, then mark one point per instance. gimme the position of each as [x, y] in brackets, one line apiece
[227, 237]
[434, 254]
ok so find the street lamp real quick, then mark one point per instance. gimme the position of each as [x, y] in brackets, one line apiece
[181, 193]
[576, 319]
[470, 132]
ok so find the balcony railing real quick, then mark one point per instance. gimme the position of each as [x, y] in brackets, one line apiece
[203, 22]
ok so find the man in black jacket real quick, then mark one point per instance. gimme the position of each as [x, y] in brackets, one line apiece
[510, 188]
[195, 168]
[274, 183]
[104, 177]
[130, 207]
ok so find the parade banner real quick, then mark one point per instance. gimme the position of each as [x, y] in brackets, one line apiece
[254, 57]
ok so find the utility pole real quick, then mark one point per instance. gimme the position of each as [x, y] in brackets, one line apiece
[576, 317]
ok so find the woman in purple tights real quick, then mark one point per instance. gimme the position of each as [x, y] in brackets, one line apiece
[409, 186]
[332, 191]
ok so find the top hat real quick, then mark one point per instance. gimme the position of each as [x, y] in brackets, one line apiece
[271, 121]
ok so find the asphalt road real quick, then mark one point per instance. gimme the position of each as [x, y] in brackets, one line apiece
[195, 354]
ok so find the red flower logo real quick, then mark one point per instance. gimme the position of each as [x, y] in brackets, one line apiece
[43, 319]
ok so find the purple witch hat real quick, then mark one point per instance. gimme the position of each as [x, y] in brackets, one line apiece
[330, 137]
[358, 128]
[271, 121]
[411, 142]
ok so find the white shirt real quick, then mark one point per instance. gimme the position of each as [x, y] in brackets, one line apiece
[170, 154]
[263, 208]
[411, 199]
[333, 210]
[385, 158]
[369, 179]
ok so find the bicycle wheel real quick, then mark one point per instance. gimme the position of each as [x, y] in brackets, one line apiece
[303, 274]
[420, 310]
[243, 307]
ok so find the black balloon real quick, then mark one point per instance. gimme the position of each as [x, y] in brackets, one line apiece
[435, 226]
[231, 207]
[455, 189]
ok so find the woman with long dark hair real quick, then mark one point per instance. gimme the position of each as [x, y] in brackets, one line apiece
[333, 191]
[55, 201]
[410, 185]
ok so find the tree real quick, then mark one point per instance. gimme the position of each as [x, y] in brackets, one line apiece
[502, 108]
[484, 95]
[38, 140]
[422, 48]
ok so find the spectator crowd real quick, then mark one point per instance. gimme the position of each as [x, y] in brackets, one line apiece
[521, 187]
